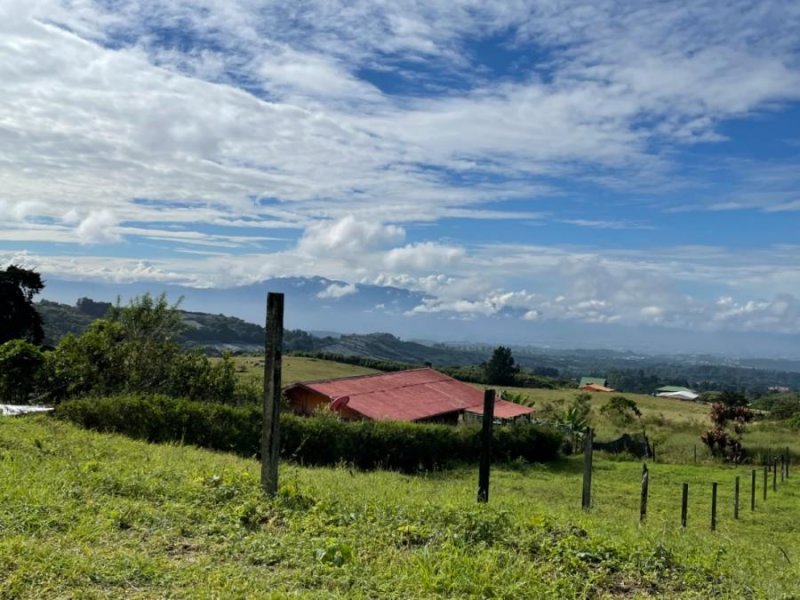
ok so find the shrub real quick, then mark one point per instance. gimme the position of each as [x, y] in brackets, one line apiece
[20, 365]
[319, 440]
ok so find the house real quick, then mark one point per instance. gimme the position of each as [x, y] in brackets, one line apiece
[414, 395]
[594, 384]
[594, 387]
[676, 392]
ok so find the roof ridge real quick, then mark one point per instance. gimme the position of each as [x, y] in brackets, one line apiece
[368, 375]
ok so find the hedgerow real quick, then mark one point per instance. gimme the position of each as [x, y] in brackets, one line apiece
[318, 440]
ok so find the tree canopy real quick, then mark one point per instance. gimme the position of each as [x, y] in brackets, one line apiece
[501, 368]
[18, 316]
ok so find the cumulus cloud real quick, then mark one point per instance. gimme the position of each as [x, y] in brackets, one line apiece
[98, 227]
[338, 290]
[347, 236]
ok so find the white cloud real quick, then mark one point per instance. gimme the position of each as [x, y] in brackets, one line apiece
[338, 290]
[425, 256]
[99, 226]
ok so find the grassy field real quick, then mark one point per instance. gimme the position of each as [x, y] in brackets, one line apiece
[84, 515]
[296, 368]
[673, 425]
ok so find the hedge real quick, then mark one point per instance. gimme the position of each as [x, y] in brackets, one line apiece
[320, 440]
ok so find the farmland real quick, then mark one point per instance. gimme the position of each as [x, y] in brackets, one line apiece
[100, 516]
[673, 425]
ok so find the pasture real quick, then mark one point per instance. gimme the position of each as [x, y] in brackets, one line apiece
[85, 515]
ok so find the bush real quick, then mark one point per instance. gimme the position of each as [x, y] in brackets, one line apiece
[20, 366]
[319, 440]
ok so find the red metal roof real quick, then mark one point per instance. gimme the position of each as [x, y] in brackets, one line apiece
[503, 409]
[407, 395]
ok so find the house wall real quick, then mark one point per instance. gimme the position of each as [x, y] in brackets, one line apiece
[306, 402]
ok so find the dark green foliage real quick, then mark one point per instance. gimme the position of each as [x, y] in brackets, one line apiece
[94, 309]
[20, 365]
[18, 316]
[501, 369]
[135, 350]
[780, 406]
[621, 411]
[319, 440]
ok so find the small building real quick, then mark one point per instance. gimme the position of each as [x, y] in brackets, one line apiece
[421, 395]
[595, 387]
[666, 389]
[594, 384]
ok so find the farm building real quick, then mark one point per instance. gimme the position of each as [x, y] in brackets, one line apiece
[413, 395]
[594, 384]
[676, 392]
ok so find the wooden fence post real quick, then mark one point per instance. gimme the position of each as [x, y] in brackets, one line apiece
[766, 482]
[753, 490]
[695, 454]
[270, 432]
[775, 475]
[586, 498]
[736, 498]
[783, 467]
[787, 462]
[643, 500]
[714, 506]
[684, 505]
[486, 446]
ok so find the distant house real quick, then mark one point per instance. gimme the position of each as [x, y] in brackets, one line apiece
[594, 387]
[601, 381]
[594, 384]
[676, 392]
[415, 395]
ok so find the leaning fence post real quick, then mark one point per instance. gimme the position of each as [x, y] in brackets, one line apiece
[714, 506]
[643, 500]
[273, 344]
[486, 446]
[684, 504]
[586, 498]
[753, 490]
[736, 499]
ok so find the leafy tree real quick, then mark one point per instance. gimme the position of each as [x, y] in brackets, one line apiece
[136, 350]
[729, 418]
[501, 369]
[621, 411]
[18, 316]
[20, 366]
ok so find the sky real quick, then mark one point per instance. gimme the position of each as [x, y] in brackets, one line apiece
[617, 164]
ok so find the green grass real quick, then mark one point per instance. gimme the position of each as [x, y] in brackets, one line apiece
[296, 368]
[85, 515]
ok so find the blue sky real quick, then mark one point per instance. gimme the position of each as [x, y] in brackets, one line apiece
[602, 163]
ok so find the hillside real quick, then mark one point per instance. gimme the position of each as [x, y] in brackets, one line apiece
[81, 518]
[220, 332]
[625, 371]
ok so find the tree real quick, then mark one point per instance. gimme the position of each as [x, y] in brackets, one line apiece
[18, 317]
[729, 418]
[20, 367]
[621, 411]
[501, 369]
